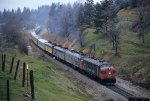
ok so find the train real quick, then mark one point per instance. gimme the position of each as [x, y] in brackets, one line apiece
[102, 70]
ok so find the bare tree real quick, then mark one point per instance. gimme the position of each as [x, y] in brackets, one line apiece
[81, 36]
[11, 31]
[112, 28]
[141, 20]
[113, 32]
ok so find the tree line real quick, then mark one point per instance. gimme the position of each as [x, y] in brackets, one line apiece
[11, 28]
[70, 20]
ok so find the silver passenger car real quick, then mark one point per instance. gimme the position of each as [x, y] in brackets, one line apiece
[73, 58]
[59, 52]
[41, 43]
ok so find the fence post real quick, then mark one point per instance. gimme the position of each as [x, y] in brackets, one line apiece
[23, 76]
[32, 84]
[8, 96]
[27, 78]
[12, 63]
[2, 61]
[16, 69]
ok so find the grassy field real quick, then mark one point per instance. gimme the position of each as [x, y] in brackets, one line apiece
[51, 84]
[134, 60]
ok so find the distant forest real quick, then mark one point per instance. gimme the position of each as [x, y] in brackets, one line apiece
[69, 19]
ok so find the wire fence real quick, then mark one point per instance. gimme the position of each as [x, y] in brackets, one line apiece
[12, 68]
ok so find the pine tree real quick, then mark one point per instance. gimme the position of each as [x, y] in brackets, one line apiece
[1, 16]
[98, 17]
[80, 18]
[133, 3]
[52, 9]
[26, 15]
[5, 14]
[105, 15]
[18, 12]
[89, 11]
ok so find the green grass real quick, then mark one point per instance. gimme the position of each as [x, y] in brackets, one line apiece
[90, 37]
[51, 84]
[147, 36]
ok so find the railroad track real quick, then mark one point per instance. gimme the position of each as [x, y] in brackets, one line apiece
[125, 93]
[120, 91]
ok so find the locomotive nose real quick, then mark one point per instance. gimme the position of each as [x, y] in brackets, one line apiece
[107, 74]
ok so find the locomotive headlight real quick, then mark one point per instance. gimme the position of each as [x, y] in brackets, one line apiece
[109, 73]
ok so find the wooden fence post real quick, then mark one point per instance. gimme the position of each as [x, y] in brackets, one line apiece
[23, 76]
[32, 84]
[2, 61]
[27, 78]
[8, 96]
[16, 69]
[12, 63]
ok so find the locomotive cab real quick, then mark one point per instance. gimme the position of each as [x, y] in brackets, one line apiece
[107, 74]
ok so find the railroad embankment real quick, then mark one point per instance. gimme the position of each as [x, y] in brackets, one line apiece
[51, 83]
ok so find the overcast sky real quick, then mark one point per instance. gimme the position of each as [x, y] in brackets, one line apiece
[9, 4]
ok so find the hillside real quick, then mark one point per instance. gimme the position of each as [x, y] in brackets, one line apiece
[51, 82]
[133, 63]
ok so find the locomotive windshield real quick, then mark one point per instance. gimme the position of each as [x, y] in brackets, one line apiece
[109, 65]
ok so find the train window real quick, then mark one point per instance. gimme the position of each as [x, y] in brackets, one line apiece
[103, 71]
